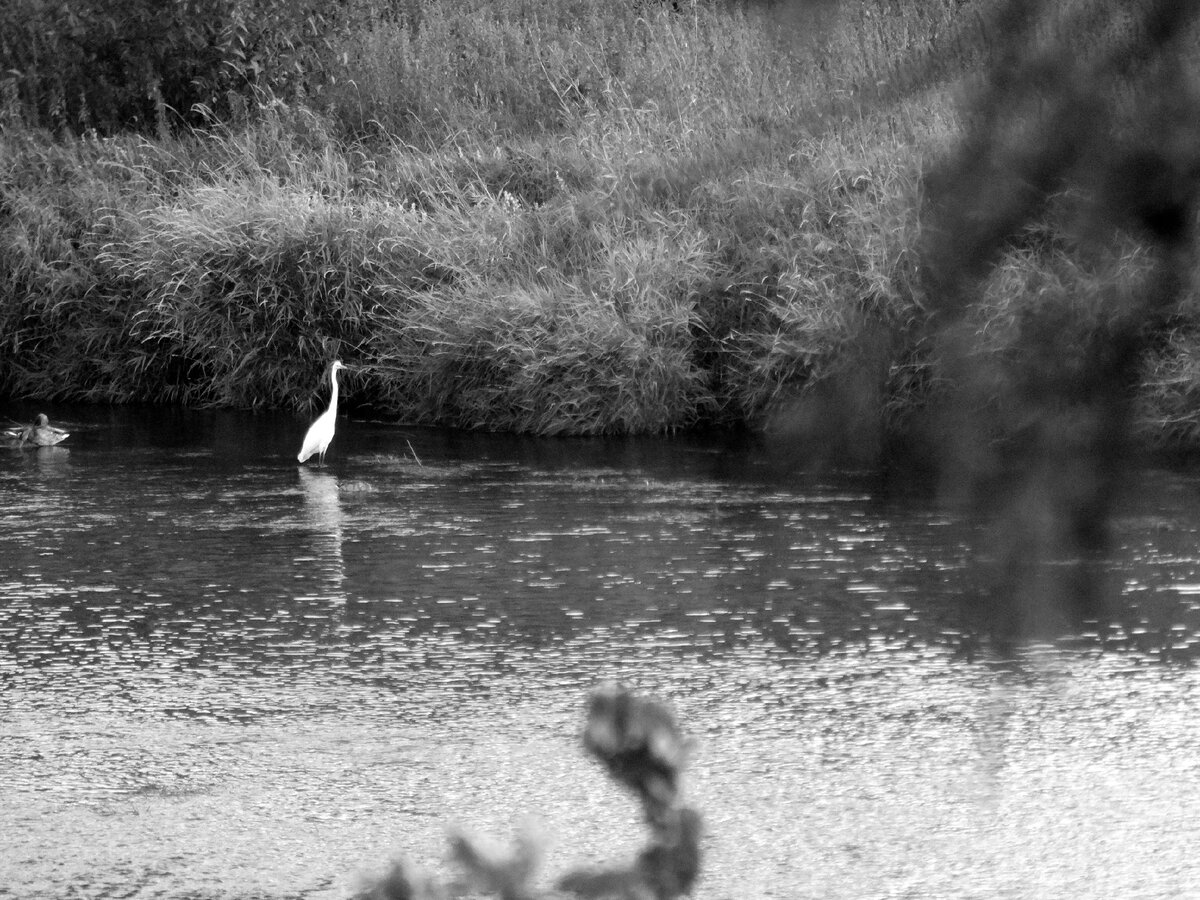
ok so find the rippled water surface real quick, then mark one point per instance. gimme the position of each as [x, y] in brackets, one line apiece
[224, 675]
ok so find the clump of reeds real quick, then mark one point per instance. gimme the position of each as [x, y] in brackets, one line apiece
[512, 340]
[1168, 412]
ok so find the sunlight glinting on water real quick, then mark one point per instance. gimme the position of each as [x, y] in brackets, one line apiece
[223, 675]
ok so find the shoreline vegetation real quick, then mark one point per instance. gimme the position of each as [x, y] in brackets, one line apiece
[574, 218]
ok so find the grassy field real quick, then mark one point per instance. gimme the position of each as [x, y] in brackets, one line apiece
[553, 217]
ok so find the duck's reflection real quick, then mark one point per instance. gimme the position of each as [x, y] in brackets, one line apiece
[52, 459]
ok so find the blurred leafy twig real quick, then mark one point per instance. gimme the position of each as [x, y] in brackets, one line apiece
[638, 742]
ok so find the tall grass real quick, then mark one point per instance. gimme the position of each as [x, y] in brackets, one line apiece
[553, 255]
[567, 218]
[494, 69]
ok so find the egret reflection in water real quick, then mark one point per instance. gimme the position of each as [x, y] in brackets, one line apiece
[323, 516]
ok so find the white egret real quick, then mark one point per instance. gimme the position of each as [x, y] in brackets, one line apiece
[41, 433]
[320, 433]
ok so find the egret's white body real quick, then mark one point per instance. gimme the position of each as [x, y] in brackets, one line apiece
[320, 433]
[41, 433]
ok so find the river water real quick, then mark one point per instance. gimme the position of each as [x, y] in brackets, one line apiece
[226, 675]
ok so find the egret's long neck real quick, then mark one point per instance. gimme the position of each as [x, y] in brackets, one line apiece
[333, 393]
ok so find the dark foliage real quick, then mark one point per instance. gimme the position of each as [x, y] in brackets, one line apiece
[1038, 440]
[112, 65]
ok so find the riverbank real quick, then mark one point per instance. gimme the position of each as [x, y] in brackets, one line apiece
[623, 224]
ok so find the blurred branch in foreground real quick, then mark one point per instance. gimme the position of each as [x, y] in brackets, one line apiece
[1100, 152]
[639, 744]
[641, 747]
[1054, 256]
